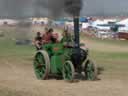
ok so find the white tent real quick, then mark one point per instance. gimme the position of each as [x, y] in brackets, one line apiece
[85, 25]
[95, 23]
[109, 20]
[9, 21]
[125, 28]
[103, 27]
[40, 20]
[125, 22]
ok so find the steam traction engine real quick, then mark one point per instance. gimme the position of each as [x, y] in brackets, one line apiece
[65, 59]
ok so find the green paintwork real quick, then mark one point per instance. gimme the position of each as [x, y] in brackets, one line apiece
[90, 71]
[57, 54]
[68, 71]
[57, 64]
[39, 65]
[60, 61]
[48, 48]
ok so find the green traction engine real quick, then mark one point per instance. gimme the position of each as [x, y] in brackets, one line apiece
[65, 59]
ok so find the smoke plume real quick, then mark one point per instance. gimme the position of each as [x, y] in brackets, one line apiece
[57, 8]
[54, 8]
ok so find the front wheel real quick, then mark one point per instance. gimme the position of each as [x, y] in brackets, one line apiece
[41, 64]
[90, 70]
[68, 71]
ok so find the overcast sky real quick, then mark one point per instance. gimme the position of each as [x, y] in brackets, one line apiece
[105, 7]
[23, 8]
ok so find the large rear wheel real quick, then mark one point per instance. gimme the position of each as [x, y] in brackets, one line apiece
[68, 71]
[41, 65]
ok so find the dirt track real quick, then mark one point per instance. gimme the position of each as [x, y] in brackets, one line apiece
[23, 82]
[20, 80]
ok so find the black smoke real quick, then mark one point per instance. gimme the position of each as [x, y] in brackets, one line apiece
[57, 8]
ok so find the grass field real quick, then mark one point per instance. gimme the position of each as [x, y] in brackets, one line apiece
[17, 76]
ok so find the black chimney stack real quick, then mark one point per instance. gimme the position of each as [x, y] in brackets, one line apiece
[77, 43]
[76, 32]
